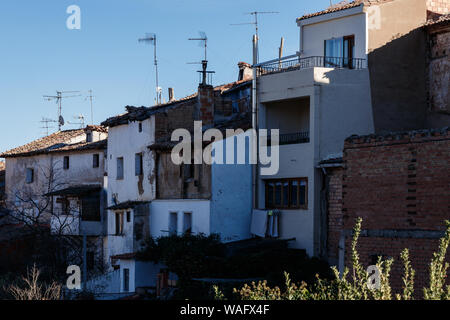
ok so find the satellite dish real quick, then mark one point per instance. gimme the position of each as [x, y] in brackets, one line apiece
[61, 120]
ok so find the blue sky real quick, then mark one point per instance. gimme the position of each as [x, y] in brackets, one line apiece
[39, 55]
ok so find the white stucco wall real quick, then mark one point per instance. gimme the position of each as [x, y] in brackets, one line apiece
[160, 214]
[231, 201]
[126, 141]
[318, 29]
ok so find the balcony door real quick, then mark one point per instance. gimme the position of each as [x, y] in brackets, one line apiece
[339, 52]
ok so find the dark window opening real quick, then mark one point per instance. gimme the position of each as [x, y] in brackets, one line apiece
[66, 163]
[128, 216]
[89, 137]
[140, 126]
[96, 161]
[30, 175]
[119, 168]
[90, 208]
[119, 223]
[187, 223]
[287, 193]
[139, 171]
[126, 279]
[90, 260]
[173, 223]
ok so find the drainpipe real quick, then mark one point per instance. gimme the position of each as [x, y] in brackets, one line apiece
[255, 121]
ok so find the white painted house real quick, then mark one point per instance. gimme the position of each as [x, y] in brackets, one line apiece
[320, 96]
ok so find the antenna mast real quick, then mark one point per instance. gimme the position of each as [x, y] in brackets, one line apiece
[58, 98]
[151, 39]
[204, 43]
[256, 24]
[90, 97]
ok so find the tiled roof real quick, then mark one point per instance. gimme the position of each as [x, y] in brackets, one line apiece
[142, 113]
[57, 142]
[75, 190]
[343, 6]
[127, 205]
[399, 135]
[442, 19]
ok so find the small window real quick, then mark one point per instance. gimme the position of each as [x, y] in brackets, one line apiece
[66, 163]
[187, 223]
[140, 126]
[138, 164]
[119, 223]
[30, 175]
[90, 257]
[188, 171]
[128, 216]
[173, 223]
[126, 280]
[96, 161]
[287, 193]
[89, 137]
[119, 168]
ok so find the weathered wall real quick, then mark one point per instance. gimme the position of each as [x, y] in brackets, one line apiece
[397, 64]
[437, 7]
[334, 217]
[397, 183]
[439, 75]
[174, 118]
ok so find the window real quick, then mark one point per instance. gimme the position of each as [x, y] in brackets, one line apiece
[173, 223]
[89, 137]
[138, 164]
[90, 208]
[128, 216]
[187, 223]
[119, 168]
[90, 260]
[96, 161]
[119, 223]
[140, 126]
[287, 193]
[339, 52]
[66, 163]
[65, 206]
[126, 279]
[188, 171]
[30, 175]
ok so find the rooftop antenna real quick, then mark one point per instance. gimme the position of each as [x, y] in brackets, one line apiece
[150, 38]
[255, 22]
[203, 43]
[80, 117]
[46, 126]
[58, 99]
[90, 97]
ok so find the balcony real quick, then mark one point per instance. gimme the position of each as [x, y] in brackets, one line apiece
[291, 138]
[294, 62]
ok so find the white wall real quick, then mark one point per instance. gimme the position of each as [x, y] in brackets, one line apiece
[160, 213]
[131, 265]
[316, 31]
[126, 141]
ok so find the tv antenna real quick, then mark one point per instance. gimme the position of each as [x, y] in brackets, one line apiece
[255, 22]
[203, 43]
[46, 126]
[60, 95]
[80, 118]
[91, 97]
[150, 38]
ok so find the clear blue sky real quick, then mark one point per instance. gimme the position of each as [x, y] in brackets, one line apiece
[39, 55]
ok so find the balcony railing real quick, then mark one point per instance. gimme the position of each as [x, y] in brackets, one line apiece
[291, 63]
[291, 138]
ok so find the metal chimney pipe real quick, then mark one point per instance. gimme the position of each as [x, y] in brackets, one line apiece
[171, 94]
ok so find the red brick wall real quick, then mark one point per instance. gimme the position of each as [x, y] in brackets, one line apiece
[398, 182]
[334, 214]
[437, 7]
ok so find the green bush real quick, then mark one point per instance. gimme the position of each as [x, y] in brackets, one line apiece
[354, 285]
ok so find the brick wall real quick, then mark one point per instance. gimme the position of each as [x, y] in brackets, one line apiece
[437, 7]
[334, 199]
[398, 183]
[206, 99]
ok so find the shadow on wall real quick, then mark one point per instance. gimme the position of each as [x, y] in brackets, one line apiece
[399, 83]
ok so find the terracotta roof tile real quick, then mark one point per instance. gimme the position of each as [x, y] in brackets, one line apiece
[439, 20]
[142, 113]
[56, 142]
[343, 6]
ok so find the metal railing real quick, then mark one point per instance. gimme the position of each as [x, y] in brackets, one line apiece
[296, 63]
[291, 138]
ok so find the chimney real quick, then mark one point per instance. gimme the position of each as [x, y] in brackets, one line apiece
[245, 71]
[171, 95]
[205, 111]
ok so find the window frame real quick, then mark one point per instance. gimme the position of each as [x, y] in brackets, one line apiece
[66, 163]
[341, 59]
[283, 206]
[126, 279]
[119, 228]
[139, 164]
[29, 175]
[96, 160]
[122, 175]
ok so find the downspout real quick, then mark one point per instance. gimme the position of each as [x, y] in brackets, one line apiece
[255, 122]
